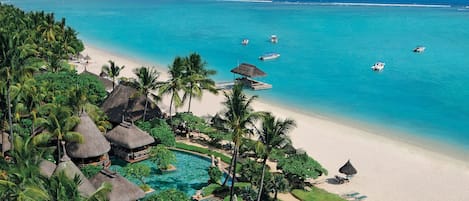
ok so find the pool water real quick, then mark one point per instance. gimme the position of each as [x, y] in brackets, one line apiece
[191, 174]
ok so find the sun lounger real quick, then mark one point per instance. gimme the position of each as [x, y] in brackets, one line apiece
[350, 194]
[341, 180]
[359, 198]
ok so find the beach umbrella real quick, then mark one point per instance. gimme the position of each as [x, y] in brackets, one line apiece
[348, 169]
[87, 58]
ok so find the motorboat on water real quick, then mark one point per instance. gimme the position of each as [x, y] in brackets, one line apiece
[245, 41]
[378, 66]
[419, 49]
[269, 56]
[274, 39]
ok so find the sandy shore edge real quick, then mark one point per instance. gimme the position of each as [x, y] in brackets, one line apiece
[388, 169]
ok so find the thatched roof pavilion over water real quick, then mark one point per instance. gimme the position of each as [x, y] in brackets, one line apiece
[249, 71]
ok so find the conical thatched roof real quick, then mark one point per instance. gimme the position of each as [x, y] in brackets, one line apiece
[106, 82]
[123, 101]
[248, 70]
[47, 168]
[122, 189]
[6, 142]
[95, 144]
[70, 170]
[129, 136]
[348, 169]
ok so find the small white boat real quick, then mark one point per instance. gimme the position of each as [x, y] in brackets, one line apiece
[274, 39]
[244, 42]
[378, 66]
[419, 49]
[269, 56]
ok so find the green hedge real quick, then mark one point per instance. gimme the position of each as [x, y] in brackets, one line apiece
[202, 150]
[316, 194]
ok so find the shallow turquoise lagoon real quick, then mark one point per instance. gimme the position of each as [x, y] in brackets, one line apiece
[326, 54]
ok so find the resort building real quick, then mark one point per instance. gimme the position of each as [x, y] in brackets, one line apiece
[70, 169]
[129, 142]
[124, 104]
[47, 168]
[122, 189]
[5, 142]
[106, 82]
[94, 150]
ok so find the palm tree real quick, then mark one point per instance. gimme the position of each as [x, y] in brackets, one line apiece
[58, 124]
[112, 70]
[146, 82]
[273, 135]
[15, 53]
[198, 78]
[239, 119]
[175, 84]
[23, 180]
[277, 183]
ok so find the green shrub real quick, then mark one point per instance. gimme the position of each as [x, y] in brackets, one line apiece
[90, 170]
[215, 175]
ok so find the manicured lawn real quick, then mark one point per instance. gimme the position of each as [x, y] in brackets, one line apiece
[316, 194]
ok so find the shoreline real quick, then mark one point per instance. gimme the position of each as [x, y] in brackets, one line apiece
[406, 170]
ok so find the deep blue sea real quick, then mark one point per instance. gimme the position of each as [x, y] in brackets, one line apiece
[326, 52]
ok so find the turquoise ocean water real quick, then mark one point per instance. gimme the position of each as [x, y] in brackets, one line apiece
[326, 53]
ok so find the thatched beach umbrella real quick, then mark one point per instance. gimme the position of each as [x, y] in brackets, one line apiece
[248, 70]
[348, 169]
[70, 170]
[122, 189]
[123, 104]
[129, 136]
[95, 144]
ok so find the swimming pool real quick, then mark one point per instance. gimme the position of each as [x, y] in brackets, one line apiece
[191, 174]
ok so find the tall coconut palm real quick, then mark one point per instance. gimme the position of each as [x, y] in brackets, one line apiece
[198, 78]
[58, 122]
[15, 53]
[175, 83]
[239, 118]
[112, 70]
[146, 82]
[272, 135]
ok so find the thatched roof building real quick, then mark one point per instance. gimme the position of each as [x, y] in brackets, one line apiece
[95, 147]
[95, 144]
[248, 70]
[6, 142]
[70, 170]
[129, 136]
[47, 168]
[129, 142]
[124, 104]
[106, 82]
[122, 189]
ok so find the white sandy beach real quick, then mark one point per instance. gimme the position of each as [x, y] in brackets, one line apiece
[388, 169]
